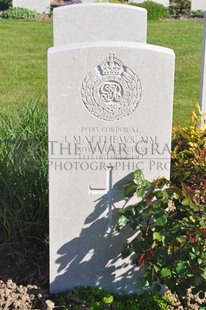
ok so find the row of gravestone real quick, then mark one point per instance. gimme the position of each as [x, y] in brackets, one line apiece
[110, 98]
[43, 6]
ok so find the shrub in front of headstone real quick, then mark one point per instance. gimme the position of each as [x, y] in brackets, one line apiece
[155, 11]
[189, 153]
[5, 4]
[171, 217]
[197, 14]
[18, 13]
[170, 239]
[179, 8]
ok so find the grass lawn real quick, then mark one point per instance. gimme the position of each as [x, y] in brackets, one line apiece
[23, 69]
[185, 38]
[23, 64]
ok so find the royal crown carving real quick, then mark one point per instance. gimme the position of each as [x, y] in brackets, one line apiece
[111, 91]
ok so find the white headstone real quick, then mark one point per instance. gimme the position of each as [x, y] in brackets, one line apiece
[163, 2]
[99, 22]
[203, 71]
[198, 5]
[40, 6]
[110, 112]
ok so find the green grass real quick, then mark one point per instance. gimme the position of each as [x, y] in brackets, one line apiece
[185, 38]
[23, 60]
[23, 172]
[23, 67]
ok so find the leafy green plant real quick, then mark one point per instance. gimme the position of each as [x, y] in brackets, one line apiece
[5, 4]
[171, 242]
[23, 172]
[179, 8]
[170, 216]
[189, 154]
[155, 11]
[197, 14]
[19, 13]
[96, 298]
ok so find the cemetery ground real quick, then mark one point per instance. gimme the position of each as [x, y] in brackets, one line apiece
[24, 244]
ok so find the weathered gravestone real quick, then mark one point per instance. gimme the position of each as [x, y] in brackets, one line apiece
[110, 112]
[198, 5]
[203, 71]
[40, 6]
[99, 22]
[163, 2]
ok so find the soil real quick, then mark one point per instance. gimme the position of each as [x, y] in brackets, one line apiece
[24, 278]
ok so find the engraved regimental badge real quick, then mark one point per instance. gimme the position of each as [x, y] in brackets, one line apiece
[111, 91]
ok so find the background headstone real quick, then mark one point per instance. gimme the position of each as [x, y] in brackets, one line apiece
[163, 2]
[203, 71]
[110, 112]
[198, 5]
[40, 6]
[99, 22]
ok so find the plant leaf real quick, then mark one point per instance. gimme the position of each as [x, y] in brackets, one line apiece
[161, 221]
[159, 194]
[157, 236]
[129, 189]
[186, 202]
[166, 272]
[123, 220]
[139, 177]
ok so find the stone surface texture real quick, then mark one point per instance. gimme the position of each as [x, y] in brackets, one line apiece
[99, 22]
[40, 6]
[110, 104]
[198, 5]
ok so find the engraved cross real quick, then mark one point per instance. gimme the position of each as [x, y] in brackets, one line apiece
[108, 191]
